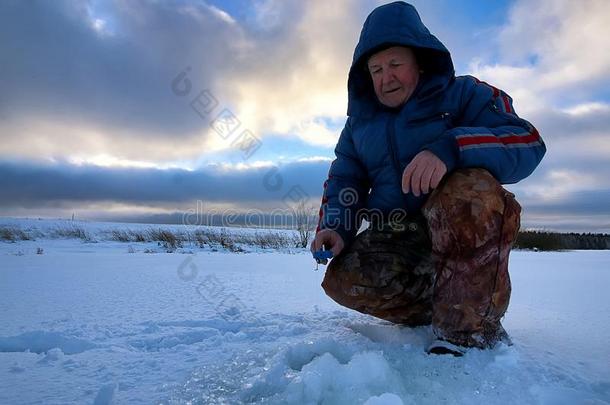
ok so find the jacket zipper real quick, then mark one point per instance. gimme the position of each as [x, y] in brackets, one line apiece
[390, 131]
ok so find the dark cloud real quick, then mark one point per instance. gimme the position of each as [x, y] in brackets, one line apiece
[34, 185]
[554, 124]
[55, 65]
[580, 203]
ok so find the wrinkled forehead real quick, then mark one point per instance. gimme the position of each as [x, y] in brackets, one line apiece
[390, 53]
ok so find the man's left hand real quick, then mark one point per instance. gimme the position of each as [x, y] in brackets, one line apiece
[423, 174]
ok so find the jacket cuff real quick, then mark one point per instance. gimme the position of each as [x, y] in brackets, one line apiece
[347, 236]
[445, 149]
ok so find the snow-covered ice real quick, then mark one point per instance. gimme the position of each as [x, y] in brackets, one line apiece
[93, 323]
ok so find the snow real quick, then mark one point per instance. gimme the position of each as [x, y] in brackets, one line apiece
[92, 323]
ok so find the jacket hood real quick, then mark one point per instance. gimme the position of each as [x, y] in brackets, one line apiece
[392, 24]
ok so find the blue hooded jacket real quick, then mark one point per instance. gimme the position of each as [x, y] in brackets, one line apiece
[463, 121]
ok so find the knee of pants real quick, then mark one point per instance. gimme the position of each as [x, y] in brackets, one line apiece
[469, 208]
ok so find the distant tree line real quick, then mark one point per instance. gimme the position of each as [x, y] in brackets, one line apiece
[544, 240]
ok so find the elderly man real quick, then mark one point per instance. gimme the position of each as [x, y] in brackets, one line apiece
[422, 157]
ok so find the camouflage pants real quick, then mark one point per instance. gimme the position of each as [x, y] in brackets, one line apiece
[447, 266]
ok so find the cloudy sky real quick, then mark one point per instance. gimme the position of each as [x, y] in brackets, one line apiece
[126, 108]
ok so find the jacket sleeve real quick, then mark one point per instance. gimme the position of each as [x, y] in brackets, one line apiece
[345, 190]
[490, 135]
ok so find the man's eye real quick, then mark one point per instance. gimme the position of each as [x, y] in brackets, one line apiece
[375, 71]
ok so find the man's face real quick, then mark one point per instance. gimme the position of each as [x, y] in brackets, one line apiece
[395, 75]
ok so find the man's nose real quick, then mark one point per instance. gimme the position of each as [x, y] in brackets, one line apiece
[387, 76]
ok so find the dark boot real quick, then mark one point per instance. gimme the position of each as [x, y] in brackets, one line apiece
[387, 272]
[473, 223]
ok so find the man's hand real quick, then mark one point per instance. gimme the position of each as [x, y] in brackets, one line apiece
[329, 238]
[423, 174]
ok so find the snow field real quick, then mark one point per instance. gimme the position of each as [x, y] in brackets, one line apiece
[92, 323]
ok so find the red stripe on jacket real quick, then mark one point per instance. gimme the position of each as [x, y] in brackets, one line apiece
[495, 91]
[324, 201]
[506, 104]
[507, 140]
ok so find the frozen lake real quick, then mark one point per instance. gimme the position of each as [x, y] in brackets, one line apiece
[105, 323]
